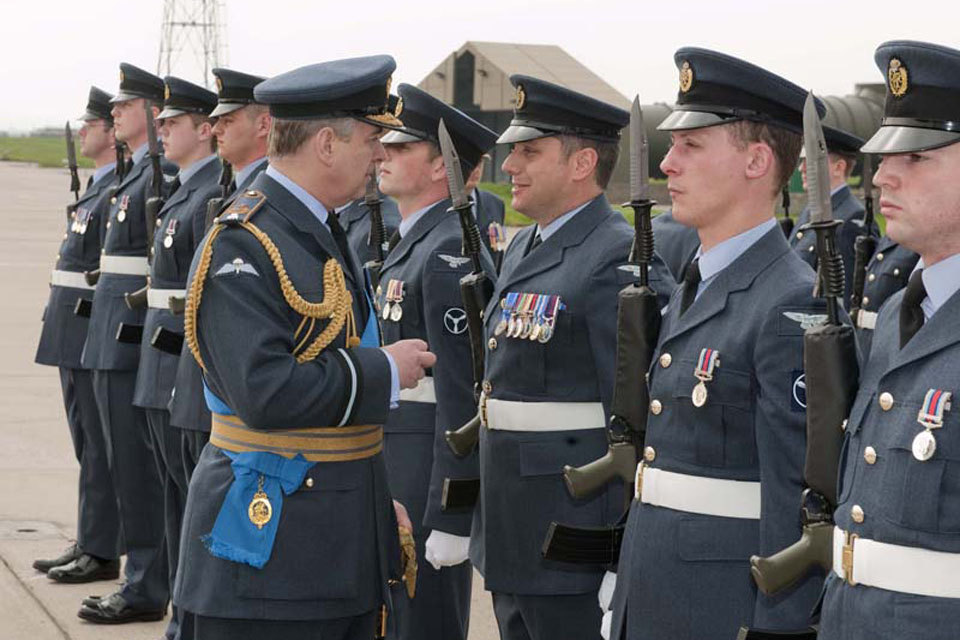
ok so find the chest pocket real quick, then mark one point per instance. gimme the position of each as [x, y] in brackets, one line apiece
[922, 495]
[721, 432]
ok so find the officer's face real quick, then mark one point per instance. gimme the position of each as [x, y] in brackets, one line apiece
[705, 174]
[129, 120]
[236, 134]
[920, 199]
[408, 169]
[95, 137]
[352, 158]
[182, 140]
[541, 176]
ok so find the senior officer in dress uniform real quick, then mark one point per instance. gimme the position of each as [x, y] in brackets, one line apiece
[112, 351]
[676, 243]
[289, 530]
[188, 142]
[419, 294]
[896, 553]
[95, 554]
[725, 442]
[545, 400]
[887, 272]
[842, 148]
[241, 129]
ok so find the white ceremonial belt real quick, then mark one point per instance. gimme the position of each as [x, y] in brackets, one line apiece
[124, 265]
[423, 392]
[894, 567]
[160, 298]
[72, 279]
[697, 494]
[509, 415]
[866, 319]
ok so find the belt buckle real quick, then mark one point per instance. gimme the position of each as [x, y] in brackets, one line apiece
[847, 560]
[483, 409]
[638, 481]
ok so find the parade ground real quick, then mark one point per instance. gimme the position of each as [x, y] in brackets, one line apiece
[38, 469]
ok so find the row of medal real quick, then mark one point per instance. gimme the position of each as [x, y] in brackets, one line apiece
[529, 316]
[170, 232]
[391, 303]
[122, 209]
[80, 220]
[498, 237]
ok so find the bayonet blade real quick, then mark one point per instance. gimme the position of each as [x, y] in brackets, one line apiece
[867, 177]
[71, 150]
[152, 143]
[639, 155]
[458, 192]
[372, 194]
[818, 175]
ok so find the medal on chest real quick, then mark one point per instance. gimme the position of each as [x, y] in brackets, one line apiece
[260, 510]
[124, 205]
[391, 307]
[930, 417]
[498, 236]
[708, 361]
[169, 233]
[81, 218]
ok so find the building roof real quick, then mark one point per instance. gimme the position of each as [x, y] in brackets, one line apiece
[547, 62]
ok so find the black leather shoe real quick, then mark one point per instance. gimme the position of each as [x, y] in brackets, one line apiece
[72, 553]
[114, 610]
[86, 568]
[91, 601]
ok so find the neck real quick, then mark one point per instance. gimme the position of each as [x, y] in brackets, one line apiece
[565, 206]
[308, 177]
[136, 143]
[734, 222]
[105, 157]
[195, 155]
[409, 205]
[932, 257]
[240, 164]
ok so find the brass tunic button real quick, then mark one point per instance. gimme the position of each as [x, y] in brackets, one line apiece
[870, 455]
[492, 344]
[811, 249]
[865, 301]
[879, 257]
[103, 250]
[799, 235]
[308, 482]
[487, 387]
[649, 454]
[871, 277]
[896, 272]
[656, 407]
[856, 512]
[113, 200]
[843, 425]
[66, 235]
[886, 401]
[665, 360]
[158, 222]
[152, 251]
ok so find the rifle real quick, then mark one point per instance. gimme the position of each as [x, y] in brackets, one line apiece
[151, 212]
[831, 369]
[475, 289]
[120, 169]
[72, 162]
[786, 222]
[215, 204]
[638, 328]
[866, 244]
[377, 240]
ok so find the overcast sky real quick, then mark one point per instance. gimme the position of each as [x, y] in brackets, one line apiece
[51, 50]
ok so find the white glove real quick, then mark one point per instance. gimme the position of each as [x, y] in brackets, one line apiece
[446, 549]
[604, 597]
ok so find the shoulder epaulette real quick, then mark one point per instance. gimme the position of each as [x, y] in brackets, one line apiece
[242, 208]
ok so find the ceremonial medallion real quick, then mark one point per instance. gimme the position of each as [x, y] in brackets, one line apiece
[699, 395]
[260, 510]
[168, 242]
[924, 445]
[385, 314]
[121, 215]
[708, 361]
[396, 313]
[545, 334]
[500, 328]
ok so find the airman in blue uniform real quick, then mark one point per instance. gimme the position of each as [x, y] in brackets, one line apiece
[112, 351]
[896, 552]
[723, 458]
[551, 338]
[95, 554]
[289, 531]
[419, 295]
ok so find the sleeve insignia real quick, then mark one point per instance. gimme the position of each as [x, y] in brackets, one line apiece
[236, 267]
[806, 320]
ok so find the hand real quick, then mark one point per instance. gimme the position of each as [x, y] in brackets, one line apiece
[411, 358]
[445, 549]
[403, 518]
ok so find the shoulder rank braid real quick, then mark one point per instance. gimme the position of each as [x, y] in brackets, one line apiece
[336, 306]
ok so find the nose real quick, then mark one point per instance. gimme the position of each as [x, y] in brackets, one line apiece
[668, 164]
[509, 164]
[885, 175]
[379, 153]
[217, 128]
[114, 111]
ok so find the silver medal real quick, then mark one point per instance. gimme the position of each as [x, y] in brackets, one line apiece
[924, 445]
[385, 314]
[501, 327]
[168, 242]
[699, 395]
[121, 215]
[396, 312]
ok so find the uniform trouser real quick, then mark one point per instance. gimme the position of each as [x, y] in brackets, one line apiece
[360, 627]
[526, 617]
[138, 488]
[441, 608]
[98, 519]
[167, 452]
[191, 446]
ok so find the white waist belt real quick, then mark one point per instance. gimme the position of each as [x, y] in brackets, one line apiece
[866, 319]
[894, 567]
[160, 298]
[423, 392]
[71, 279]
[696, 494]
[124, 265]
[508, 415]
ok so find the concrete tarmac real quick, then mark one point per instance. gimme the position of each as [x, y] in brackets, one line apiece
[38, 470]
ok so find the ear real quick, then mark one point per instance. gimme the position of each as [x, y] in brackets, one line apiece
[584, 163]
[205, 131]
[438, 170]
[474, 176]
[262, 125]
[322, 145]
[156, 111]
[760, 161]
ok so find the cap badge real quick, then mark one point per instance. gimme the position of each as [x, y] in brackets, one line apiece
[389, 83]
[219, 84]
[166, 92]
[122, 77]
[686, 77]
[398, 109]
[897, 76]
[521, 97]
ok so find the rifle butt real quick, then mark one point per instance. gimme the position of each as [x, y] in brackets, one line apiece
[177, 305]
[775, 573]
[153, 207]
[464, 440]
[620, 461]
[136, 299]
[92, 277]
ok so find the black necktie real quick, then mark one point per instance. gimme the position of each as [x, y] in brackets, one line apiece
[89, 182]
[537, 241]
[394, 240]
[691, 282]
[911, 313]
[174, 185]
[231, 188]
[127, 166]
[339, 236]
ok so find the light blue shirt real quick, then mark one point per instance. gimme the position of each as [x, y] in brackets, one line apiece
[104, 170]
[407, 223]
[317, 209]
[243, 174]
[189, 172]
[137, 155]
[941, 281]
[722, 256]
[553, 227]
